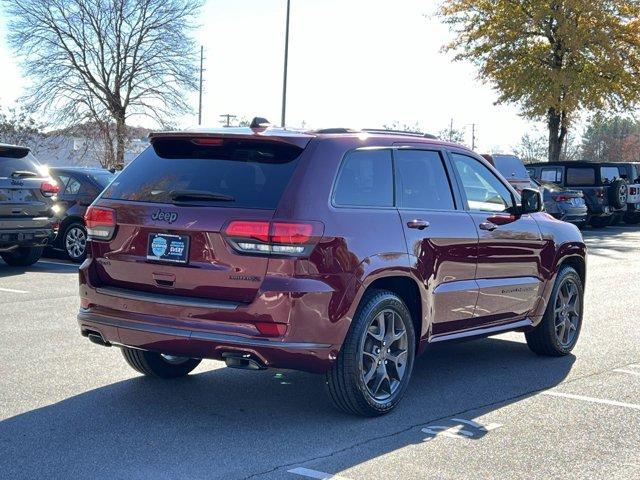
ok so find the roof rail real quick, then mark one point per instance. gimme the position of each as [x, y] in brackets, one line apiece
[376, 130]
[400, 132]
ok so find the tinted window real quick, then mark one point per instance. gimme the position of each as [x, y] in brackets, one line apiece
[609, 174]
[27, 163]
[249, 173]
[551, 175]
[484, 191]
[62, 181]
[510, 166]
[422, 181]
[581, 176]
[366, 179]
[73, 187]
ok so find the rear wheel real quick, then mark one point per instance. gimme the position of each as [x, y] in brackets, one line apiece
[374, 366]
[159, 365]
[75, 242]
[22, 256]
[558, 332]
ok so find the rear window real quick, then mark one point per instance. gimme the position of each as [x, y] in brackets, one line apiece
[581, 176]
[247, 173]
[551, 175]
[365, 180]
[11, 164]
[510, 166]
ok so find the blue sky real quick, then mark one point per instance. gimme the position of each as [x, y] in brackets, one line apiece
[356, 63]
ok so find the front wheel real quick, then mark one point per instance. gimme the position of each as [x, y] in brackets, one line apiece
[22, 256]
[558, 332]
[374, 366]
[159, 365]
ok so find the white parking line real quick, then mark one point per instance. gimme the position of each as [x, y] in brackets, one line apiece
[51, 262]
[603, 401]
[11, 290]
[630, 372]
[306, 472]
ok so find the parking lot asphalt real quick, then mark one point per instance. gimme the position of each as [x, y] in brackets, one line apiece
[479, 409]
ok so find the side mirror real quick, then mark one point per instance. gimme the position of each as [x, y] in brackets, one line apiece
[531, 201]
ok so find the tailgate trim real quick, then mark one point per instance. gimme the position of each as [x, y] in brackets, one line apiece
[160, 298]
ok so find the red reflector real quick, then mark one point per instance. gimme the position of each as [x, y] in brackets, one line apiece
[600, 193]
[247, 229]
[271, 329]
[291, 233]
[85, 303]
[561, 198]
[50, 187]
[211, 142]
[99, 216]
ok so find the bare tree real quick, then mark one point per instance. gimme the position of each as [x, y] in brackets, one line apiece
[102, 61]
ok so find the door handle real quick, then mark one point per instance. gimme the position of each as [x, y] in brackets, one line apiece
[488, 226]
[418, 223]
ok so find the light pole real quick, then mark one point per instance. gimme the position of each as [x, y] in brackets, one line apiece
[286, 64]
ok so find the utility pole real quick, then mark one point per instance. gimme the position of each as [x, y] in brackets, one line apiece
[286, 65]
[200, 100]
[228, 118]
[451, 131]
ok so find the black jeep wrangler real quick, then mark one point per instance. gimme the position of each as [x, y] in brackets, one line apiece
[27, 212]
[603, 184]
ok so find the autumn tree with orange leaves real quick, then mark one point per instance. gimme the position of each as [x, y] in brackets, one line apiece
[553, 58]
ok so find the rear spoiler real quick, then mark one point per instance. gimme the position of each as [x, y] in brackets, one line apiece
[289, 137]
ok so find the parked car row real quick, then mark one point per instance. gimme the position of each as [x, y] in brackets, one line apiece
[43, 208]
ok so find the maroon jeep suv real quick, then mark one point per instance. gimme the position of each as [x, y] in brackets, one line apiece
[335, 251]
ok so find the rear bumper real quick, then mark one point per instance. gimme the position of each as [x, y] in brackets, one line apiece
[203, 328]
[27, 237]
[312, 357]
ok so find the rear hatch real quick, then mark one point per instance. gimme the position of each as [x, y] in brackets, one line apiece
[173, 204]
[25, 189]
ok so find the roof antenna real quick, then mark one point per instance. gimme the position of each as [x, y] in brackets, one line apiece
[259, 122]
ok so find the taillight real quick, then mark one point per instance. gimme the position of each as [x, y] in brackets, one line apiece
[101, 223]
[49, 188]
[633, 190]
[600, 193]
[273, 238]
[561, 198]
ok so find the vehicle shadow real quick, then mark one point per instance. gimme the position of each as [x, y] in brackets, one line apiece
[226, 423]
[39, 267]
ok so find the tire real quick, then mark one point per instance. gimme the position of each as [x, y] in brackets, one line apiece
[157, 365]
[618, 193]
[74, 242]
[545, 339]
[22, 256]
[600, 222]
[346, 379]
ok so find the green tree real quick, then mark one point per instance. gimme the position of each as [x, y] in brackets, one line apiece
[554, 58]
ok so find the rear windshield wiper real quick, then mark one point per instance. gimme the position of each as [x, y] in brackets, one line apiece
[23, 173]
[181, 196]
